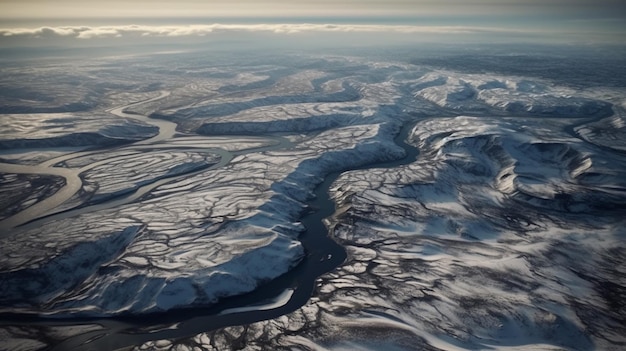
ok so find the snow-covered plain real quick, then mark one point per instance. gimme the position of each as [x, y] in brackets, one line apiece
[505, 232]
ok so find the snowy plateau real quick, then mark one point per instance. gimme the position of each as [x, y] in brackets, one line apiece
[198, 201]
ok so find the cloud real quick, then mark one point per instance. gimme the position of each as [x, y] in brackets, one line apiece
[40, 32]
[130, 34]
[91, 32]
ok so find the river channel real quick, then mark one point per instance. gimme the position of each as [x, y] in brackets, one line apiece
[282, 295]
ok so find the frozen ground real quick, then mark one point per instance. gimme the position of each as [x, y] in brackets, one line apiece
[506, 231]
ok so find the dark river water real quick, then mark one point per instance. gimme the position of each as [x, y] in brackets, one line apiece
[323, 254]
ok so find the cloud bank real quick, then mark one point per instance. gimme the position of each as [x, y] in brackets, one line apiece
[358, 33]
[90, 32]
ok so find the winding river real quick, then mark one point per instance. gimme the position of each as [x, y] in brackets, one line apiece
[281, 296]
[73, 182]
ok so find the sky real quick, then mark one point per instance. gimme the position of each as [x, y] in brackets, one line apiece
[308, 8]
[574, 20]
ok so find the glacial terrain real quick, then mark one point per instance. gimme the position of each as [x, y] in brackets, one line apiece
[310, 201]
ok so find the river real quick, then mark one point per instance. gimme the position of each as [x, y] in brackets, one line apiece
[283, 295]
